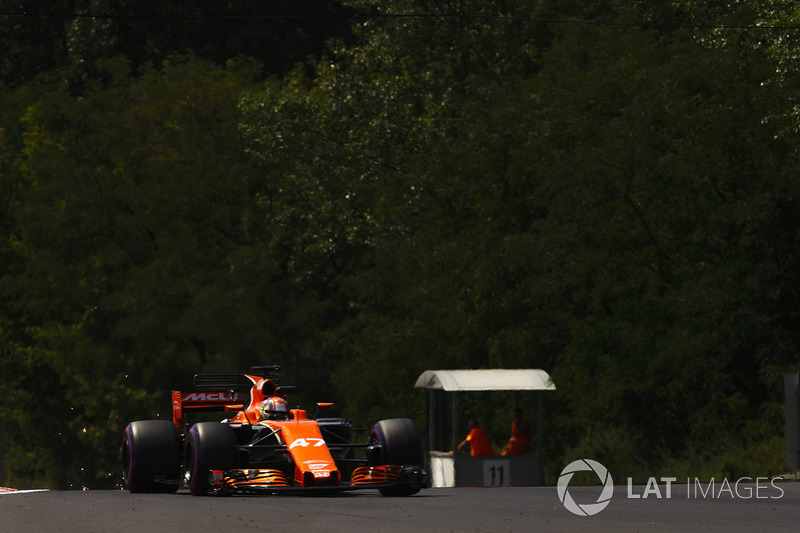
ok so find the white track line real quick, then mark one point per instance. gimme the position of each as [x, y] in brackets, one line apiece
[5, 490]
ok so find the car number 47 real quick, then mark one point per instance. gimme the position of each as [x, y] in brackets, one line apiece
[306, 442]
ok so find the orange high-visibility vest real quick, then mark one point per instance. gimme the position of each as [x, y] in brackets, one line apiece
[479, 442]
[520, 439]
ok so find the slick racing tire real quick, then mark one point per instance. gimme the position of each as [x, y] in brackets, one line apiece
[400, 445]
[209, 446]
[151, 456]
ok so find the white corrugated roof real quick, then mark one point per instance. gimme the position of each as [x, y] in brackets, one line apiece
[485, 380]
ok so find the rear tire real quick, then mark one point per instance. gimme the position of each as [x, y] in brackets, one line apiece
[150, 451]
[209, 446]
[400, 445]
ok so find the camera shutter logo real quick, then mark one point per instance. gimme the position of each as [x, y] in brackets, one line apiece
[587, 509]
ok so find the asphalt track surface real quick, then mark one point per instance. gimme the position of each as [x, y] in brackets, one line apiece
[450, 509]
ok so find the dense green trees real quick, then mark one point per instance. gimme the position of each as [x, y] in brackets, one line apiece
[607, 192]
[72, 35]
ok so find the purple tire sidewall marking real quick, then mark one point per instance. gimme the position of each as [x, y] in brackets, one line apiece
[195, 458]
[129, 440]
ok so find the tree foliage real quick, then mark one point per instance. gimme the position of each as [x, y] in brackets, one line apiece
[604, 191]
[73, 35]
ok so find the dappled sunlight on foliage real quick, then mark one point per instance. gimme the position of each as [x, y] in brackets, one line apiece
[606, 192]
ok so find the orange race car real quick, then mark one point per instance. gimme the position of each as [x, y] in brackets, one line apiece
[265, 446]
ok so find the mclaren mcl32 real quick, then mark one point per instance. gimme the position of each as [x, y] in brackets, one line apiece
[262, 445]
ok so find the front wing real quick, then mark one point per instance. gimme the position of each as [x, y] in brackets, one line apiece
[272, 481]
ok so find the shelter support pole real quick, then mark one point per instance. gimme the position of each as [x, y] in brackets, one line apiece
[2, 453]
[539, 423]
[431, 419]
[791, 385]
[455, 422]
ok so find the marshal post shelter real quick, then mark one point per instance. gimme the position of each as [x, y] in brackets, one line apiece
[461, 470]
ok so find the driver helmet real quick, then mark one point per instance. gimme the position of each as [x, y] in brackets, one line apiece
[274, 408]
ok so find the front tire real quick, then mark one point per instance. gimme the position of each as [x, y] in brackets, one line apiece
[400, 444]
[209, 446]
[151, 452]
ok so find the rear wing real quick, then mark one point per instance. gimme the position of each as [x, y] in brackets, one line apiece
[226, 392]
[213, 392]
[203, 401]
[236, 382]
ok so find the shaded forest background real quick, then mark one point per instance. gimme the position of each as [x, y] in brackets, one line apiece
[360, 191]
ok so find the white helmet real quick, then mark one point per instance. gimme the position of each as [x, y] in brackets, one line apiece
[274, 408]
